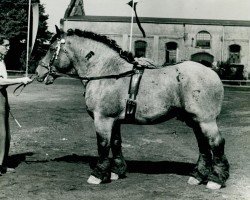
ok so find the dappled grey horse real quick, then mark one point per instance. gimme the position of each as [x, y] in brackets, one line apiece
[188, 90]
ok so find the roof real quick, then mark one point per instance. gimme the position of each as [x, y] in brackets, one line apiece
[75, 7]
[160, 20]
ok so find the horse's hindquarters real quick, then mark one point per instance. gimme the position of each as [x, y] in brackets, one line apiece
[201, 91]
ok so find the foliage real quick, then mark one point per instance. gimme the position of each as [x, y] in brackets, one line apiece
[14, 24]
[228, 71]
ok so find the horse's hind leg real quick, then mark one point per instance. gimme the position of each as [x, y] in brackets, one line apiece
[204, 164]
[118, 165]
[220, 167]
[101, 173]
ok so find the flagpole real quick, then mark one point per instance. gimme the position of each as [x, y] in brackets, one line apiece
[131, 26]
[28, 40]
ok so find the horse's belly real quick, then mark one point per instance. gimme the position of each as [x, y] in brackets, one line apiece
[157, 107]
[148, 116]
[157, 97]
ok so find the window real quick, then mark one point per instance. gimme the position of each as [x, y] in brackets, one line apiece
[234, 54]
[140, 48]
[203, 40]
[171, 52]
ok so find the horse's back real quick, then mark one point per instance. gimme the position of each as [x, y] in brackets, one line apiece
[195, 71]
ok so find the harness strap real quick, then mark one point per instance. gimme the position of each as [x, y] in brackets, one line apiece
[90, 78]
[135, 74]
[133, 91]
[115, 76]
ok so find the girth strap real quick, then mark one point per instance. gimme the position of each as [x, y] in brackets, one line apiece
[133, 91]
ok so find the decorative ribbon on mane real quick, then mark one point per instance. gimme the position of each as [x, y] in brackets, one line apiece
[136, 17]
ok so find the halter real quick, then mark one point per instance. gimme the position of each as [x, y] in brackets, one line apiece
[49, 67]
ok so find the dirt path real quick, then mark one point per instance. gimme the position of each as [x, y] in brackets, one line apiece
[55, 149]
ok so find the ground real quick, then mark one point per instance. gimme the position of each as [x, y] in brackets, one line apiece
[54, 150]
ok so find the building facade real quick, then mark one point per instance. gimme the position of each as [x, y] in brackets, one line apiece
[171, 40]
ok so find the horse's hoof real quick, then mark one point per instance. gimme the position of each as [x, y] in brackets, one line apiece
[10, 170]
[193, 181]
[93, 180]
[114, 176]
[213, 186]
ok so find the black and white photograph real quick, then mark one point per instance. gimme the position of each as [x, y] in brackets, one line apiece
[124, 99]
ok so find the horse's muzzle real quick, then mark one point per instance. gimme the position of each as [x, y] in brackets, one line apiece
[42, 75]
[49, 79]
[40, 79]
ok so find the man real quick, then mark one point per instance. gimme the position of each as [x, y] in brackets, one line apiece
[4, 106]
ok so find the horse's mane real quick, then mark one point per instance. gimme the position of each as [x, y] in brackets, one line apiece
[128, 56]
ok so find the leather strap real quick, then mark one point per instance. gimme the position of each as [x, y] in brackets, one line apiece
[133, 91]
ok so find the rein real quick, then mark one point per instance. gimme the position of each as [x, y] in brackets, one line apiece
[91, 78]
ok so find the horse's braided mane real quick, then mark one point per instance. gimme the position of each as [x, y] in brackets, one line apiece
[128, 56]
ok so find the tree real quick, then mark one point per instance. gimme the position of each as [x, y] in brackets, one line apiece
[14, 24]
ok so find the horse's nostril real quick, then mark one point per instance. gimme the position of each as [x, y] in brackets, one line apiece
[37, 75]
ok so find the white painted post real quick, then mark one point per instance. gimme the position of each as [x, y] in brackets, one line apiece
[131, 26]
[28, 41]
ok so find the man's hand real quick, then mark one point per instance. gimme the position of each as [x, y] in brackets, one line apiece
[26, 80]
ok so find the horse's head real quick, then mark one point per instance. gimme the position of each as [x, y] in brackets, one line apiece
[56, 60]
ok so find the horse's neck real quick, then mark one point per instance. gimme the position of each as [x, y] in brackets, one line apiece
[105, 60]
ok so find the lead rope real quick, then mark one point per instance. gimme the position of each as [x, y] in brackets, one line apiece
[15, 119]
[22, 86]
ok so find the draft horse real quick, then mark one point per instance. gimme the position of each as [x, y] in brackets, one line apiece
[188, 90]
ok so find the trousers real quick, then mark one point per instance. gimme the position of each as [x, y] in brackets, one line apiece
[4, 128]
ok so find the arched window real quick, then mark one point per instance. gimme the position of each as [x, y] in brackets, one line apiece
[234, 54]
[140, 48]
[171, 52]
[203, 40]
[203, 58]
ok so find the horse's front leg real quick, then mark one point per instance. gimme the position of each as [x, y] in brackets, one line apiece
[118, 165]
[101, 173]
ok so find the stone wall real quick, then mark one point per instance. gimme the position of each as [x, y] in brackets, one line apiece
[157, 35]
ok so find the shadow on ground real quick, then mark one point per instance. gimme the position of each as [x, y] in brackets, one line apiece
[152, 167]
[15, 160]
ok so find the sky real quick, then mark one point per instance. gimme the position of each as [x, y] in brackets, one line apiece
[199, 9]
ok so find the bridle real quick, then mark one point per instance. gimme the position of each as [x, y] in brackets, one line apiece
[49, 67]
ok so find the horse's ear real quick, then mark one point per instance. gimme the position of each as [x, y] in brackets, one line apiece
[70, 32]
[58, 31]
